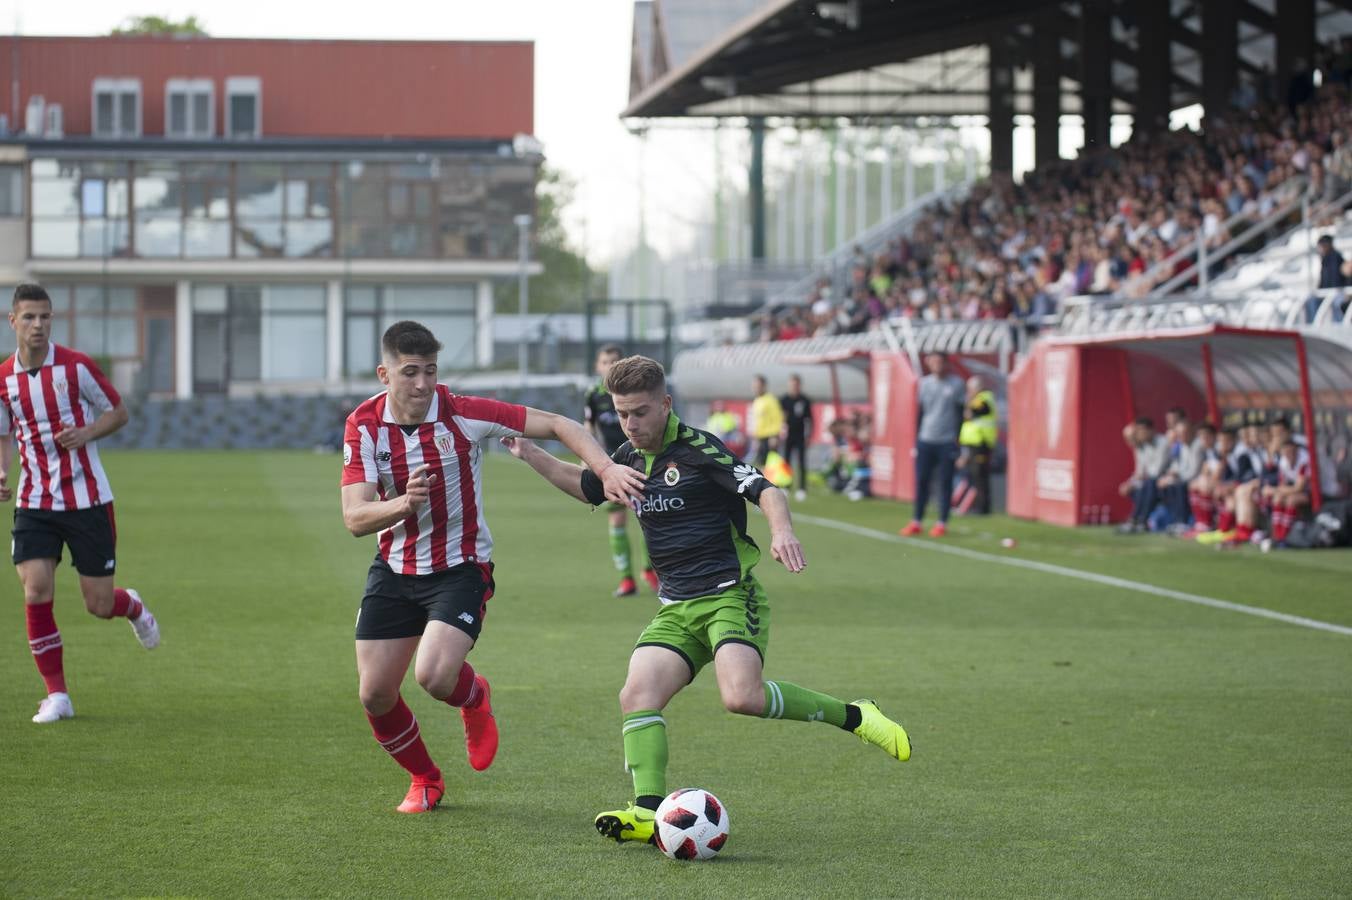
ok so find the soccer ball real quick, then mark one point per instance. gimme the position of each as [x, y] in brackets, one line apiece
[691, 824]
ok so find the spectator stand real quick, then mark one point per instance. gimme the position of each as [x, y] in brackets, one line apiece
[1072, 394]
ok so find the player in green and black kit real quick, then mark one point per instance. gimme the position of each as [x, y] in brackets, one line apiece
[713, 609]
[599, 414]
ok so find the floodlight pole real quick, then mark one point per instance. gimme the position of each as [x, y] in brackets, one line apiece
[523, 223]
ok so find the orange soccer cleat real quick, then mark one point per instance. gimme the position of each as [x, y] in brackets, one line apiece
[628, 587]
[910, 530]
[938, 530]
[481, 729]
[423, 795]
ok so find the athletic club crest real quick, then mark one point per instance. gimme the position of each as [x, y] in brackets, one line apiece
[445, 445]
[672, 476]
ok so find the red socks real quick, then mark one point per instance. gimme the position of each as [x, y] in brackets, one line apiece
[124, 604]
[467, 694]
[1226, 521]
[397, 731]
[45, 642]
[1283, 517]
[1202, 508]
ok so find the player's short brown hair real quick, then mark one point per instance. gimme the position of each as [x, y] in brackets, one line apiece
[636, 375]
[614, 350]
[29, 291]
[409, 339]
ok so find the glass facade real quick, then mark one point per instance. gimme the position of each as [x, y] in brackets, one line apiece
[448, 208]
[447, 309]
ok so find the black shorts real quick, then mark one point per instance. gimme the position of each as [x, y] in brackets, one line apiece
[400, 606]
[91, 535]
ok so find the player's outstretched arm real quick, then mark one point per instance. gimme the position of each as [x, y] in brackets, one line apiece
[567, 477]
[365, 513]
[621, 482]
[784, 546]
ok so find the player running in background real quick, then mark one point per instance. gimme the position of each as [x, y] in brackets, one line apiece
[713, 608]
[599, 414]
[57, 404]
[797, 431]
[411, 473]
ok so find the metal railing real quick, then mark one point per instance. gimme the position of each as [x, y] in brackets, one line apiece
[1198, 259]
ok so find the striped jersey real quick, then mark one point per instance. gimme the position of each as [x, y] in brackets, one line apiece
[450, 528]
[66, 391]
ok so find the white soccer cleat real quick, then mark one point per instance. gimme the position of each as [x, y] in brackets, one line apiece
[54, 708]
[146, 629]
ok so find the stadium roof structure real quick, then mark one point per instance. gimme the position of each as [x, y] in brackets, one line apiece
[898, 59]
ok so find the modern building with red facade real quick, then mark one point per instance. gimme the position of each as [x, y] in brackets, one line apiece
[218, 215]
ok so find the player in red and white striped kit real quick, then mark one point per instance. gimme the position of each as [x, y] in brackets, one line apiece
[411, 462]
[56, 404]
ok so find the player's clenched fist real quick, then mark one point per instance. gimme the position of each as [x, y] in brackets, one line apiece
[416, 490]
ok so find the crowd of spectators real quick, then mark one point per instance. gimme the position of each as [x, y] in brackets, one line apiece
[1231, 486]
[1118, 221]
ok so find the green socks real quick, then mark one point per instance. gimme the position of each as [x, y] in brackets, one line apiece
[789, 701]
[619, 550]
[645, 751]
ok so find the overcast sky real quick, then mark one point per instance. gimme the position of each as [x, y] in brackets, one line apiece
[581, 77]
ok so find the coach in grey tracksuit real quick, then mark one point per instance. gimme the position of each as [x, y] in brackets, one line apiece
[939, 418]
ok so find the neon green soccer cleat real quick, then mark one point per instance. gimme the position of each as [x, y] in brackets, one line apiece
[633, 823]
[877, 729]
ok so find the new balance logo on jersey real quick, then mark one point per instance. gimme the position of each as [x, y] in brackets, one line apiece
[658, 505]
[383, 456]
[746, 476]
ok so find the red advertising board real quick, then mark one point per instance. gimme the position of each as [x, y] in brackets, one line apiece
[892, 386]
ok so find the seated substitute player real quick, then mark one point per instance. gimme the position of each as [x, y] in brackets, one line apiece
[713, 608]
[59, 404]
[599, 414]
[411, 460]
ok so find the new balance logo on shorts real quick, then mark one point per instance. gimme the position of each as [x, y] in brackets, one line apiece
[466, 618]
[110, 564]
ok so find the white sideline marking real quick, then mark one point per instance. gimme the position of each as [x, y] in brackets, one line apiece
[1082, 575]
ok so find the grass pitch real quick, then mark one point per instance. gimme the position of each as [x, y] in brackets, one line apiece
[1071, 739]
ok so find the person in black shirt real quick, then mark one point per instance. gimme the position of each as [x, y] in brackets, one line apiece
[599, 413]
[797, 431]
[694, 517]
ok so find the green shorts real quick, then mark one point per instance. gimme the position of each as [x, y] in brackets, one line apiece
[696, 628]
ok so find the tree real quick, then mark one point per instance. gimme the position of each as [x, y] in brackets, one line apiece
[567, 279]
[160, 25]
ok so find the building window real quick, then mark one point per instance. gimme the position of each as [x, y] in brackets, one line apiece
[159, 210]
[284, 211]
[189, 108]
[243, 107]
[80, 208]
[117, 107]
[106, 323]
[257, 333]
[11, 191]
[449, 310]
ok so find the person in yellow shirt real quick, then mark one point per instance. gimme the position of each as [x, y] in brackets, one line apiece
[766, 421]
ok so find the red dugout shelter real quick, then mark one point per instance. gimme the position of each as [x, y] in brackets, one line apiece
[1070, 397]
